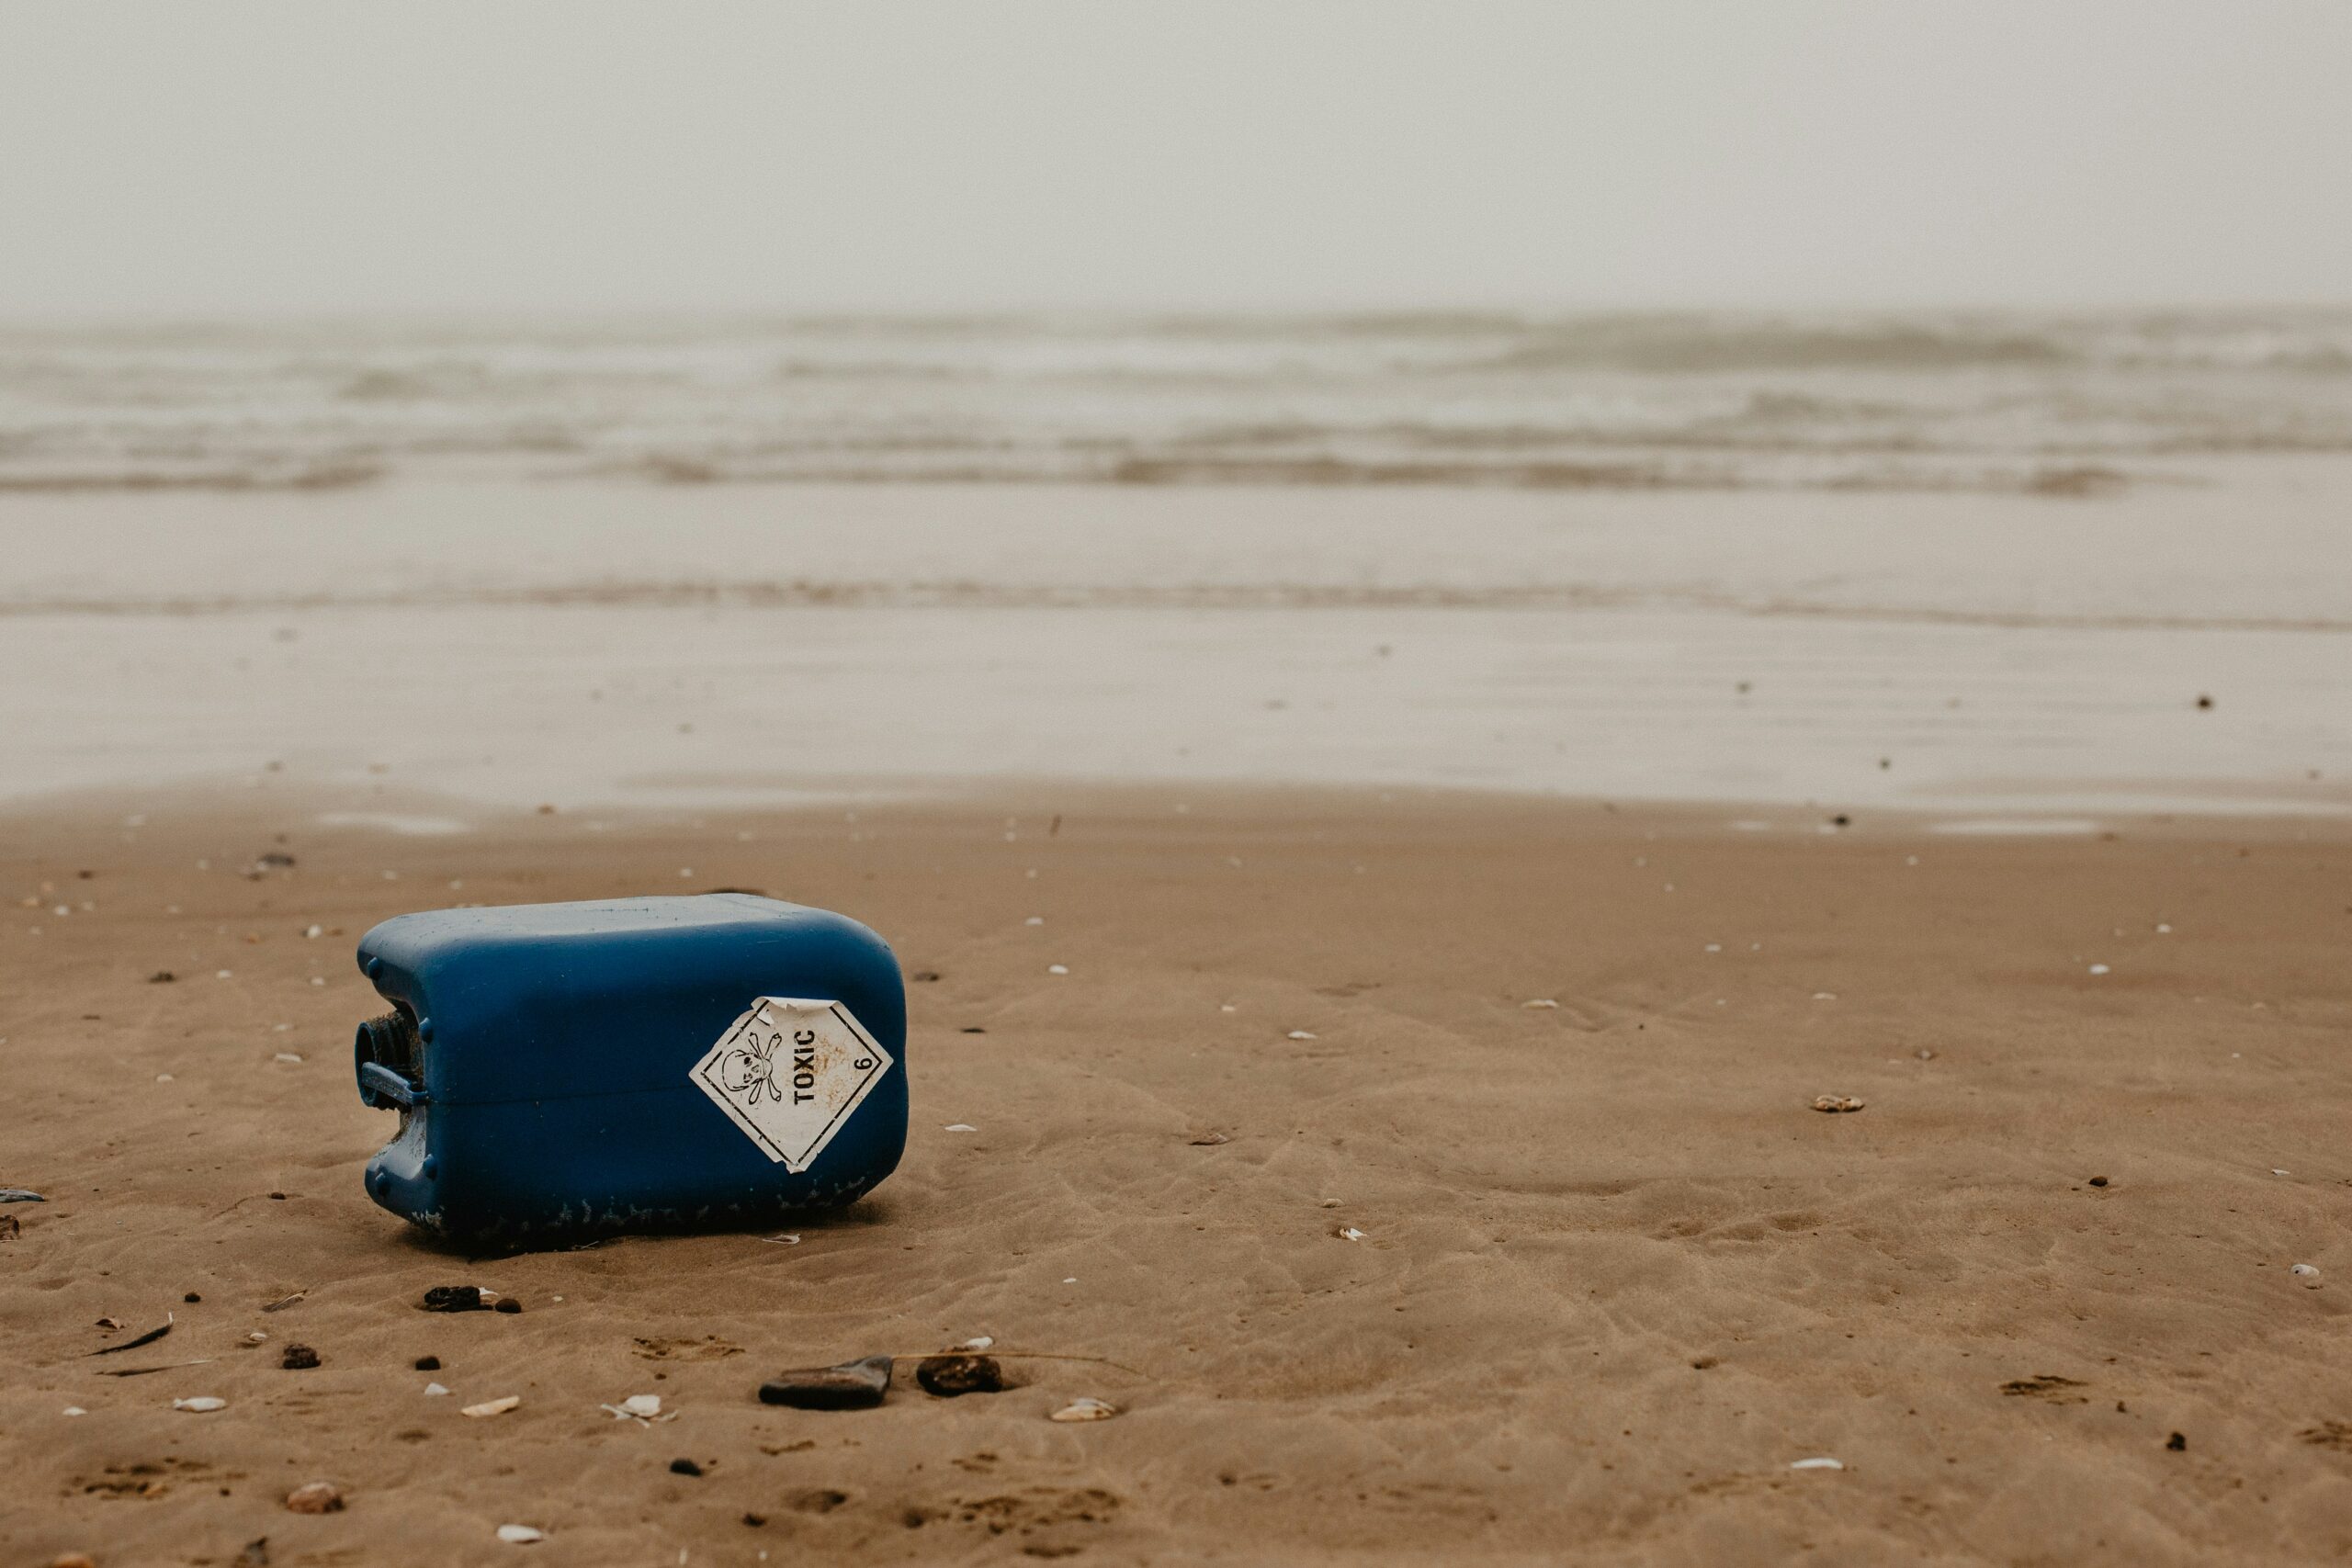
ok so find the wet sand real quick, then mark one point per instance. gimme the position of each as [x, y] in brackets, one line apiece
[1615, 1276]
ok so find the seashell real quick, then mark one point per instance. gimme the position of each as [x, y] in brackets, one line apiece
[201, 1405]
[1348, 1232]
[959, 1127]
[1085, 1410]
[1056, 968]
[643, 1404]
[979, 1342]
[316, 1498]
[2307, 1273]
[1299, 1034]
[1539, 1003]
[493, 1407]
[852, 1385]
[520, 1535]
[434, 1390]
[74, 1410]
[1822, 1463]
[1836, 1102]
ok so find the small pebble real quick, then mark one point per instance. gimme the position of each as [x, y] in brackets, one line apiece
[507, 1305]
[685, 1467]
[298, 1359]
[948, 1376]
[455, 1298]
[2099, 1181]
[191, 1296]
[316, 1498]
[201, 1405]
[1085, 1410]
[1540, 1003]
[1836, 1102]
[434, 1390]
[2099, 969]
[428, 1363]
[2177, 1443]
[852, 1385]
[1056, 968]
[520, 1535]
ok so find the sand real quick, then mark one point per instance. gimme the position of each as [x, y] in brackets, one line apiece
[1615, 1278]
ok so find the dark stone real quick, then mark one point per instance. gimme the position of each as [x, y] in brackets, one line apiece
[508, 1304]
[298, 1359]
[948, 1376]
[923, 976]
[685, 1467]
[2099, 1181]
[852, 1385]
[455, 1298]
[428, 1363]
[2177, 1443]
[756, 1521]
[161, 977]
[191, 1296]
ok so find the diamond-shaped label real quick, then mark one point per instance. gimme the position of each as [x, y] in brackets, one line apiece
[790, 1073]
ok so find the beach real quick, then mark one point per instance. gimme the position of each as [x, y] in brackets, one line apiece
[1391, 827]
[1381, 1262]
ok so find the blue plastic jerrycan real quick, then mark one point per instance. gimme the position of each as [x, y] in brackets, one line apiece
[564, 1070]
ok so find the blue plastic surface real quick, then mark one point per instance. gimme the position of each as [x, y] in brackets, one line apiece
[544, 1061]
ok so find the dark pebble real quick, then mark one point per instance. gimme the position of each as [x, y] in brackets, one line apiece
[685, 1467]
[280, 1196]
[2178, 1443]
[300, 1358]
[974, 1029]
[756, 1521]
[948, 1376]
[852, 1385]
[508, 1304]
[161, 977]
[923, 976]
[454, 1298]
[191, 1296]
[428, 1363]
[2099, 1181]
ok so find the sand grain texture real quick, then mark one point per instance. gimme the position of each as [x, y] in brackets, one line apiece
[1615, 1275]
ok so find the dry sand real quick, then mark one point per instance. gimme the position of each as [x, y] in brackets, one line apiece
[1614, 1277]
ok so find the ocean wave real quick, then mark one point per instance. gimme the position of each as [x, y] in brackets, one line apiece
[1920, 400]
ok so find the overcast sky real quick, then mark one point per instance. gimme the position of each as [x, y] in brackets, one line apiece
[317, 156]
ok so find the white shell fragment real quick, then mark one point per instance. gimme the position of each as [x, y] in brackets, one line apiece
[74, 1410]
[1823, 1462]
[520, 1535]
[201, 1405]
[1539, 1003]
[2308, 1273]
[287, 1057]
[1056, 968]
[1300, 1034]
[959, 1127]
[979, 1342]
[2100, 969]
[493, 1407]
[1837, 1103]
[643, 1404]
[434, 1391]
[1085, 1410]
[1348, 1232]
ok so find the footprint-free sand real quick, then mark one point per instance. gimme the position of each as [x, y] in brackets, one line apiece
[1382, 1262]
